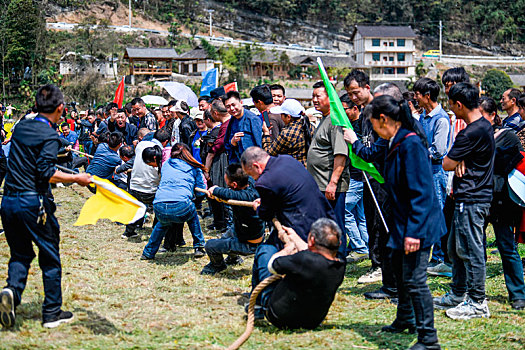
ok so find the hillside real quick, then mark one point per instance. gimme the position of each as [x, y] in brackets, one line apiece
[496, 26]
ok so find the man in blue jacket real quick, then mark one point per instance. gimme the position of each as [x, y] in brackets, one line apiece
[436, 124]
[244, 129]
[290, 194]
[106, 158]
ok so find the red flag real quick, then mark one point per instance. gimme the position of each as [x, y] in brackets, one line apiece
[231, 87]
[119, 94]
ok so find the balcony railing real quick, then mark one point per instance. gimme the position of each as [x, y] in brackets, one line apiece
[151, 71]
[390, 63]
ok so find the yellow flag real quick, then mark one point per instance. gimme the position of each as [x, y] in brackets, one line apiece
[110, 202]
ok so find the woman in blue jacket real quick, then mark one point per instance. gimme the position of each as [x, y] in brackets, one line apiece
[418, 221]
[173, 204]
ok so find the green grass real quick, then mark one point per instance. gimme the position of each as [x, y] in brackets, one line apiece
[121, 302]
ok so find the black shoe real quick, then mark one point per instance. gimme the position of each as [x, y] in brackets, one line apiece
[212, 269]
[518, 304]
[233, 260]
[258, 311]
[7, 308]
[62, 317]
[144, 257]
[199, 252]
[180, 244]
[399, 329]
[167, 250]
[379, 294]
[423, 346]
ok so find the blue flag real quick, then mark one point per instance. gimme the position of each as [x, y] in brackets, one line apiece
[209, 81]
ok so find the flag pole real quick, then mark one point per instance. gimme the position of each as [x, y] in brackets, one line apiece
[375, 202]
[66, 170]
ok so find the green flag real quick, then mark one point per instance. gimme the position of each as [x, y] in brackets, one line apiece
[339, 118]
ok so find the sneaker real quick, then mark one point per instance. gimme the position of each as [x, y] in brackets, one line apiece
[7, 308]
[233, 260]
[469, 309]
[199, 252]
[380, 294]
[144, 257]
[424, 346]
[372, 276]
[440, 269]
[258, 311]
[355, 257]
[212, 269]
[62, 317]
[127, 235]
[518, 304]
[448, 301]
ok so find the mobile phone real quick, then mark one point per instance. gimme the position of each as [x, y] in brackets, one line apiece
[266, 119]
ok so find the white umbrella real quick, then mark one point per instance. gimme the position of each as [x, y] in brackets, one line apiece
[180, 91]
[154, 100]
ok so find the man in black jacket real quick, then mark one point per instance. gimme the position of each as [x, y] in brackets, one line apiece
[28, 209]
[290, 194]
[248, 227]
[187, 125]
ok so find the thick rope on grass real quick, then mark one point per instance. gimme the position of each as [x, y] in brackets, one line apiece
[251, 311]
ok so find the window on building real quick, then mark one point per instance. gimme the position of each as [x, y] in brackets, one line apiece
[376, 56]
[391, 58]
[194, 67]
[376, 70]
[401, 71]
[376, 42]
[388, 70]
[391, 43]
[400, 42]
[385, 58]
[385, 43]
[401, 57]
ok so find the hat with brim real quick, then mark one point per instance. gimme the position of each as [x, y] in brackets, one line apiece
[290, 107]
[195, 113]
[178, 108]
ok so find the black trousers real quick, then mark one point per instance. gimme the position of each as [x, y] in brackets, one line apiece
[220, 213]
[448, 212]
[19, 217]
[147, 199]
[414, 305]
[380, 254]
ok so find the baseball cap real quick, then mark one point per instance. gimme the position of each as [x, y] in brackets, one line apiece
[179, 107]
[196, 114]
[290, 106]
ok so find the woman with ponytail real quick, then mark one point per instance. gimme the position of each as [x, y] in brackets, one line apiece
[418, 221]
[173, 203]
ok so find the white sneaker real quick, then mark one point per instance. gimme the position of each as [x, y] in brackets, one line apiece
[371, 276]
[469, 309]
[448, 301]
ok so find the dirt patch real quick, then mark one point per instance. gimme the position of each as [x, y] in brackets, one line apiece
[117, 16]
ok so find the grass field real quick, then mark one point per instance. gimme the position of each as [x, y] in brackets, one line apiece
[121, 302]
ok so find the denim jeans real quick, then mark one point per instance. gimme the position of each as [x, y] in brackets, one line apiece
[439, 177]
[260, 271]
[355, 222]
[19, 218]
[169, 213]
[414, 305]
[511, 261]
[466, 250]
[339, 210]
[215, 248]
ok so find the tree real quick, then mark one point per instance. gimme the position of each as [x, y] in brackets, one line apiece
[495, 83]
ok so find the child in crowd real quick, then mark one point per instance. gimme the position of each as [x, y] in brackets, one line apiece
[248, 228]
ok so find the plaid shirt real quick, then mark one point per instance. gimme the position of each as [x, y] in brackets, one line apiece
[290, 141]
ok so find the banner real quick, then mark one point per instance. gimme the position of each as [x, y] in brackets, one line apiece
[209, 81]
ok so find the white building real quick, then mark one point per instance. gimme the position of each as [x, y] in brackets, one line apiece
[74, 64]
[388, 52]
[196, 61]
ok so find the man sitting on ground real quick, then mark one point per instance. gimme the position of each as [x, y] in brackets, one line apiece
[248, 228]
[312, 275]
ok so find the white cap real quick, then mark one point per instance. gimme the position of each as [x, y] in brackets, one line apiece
[179, 107]
[290, 106]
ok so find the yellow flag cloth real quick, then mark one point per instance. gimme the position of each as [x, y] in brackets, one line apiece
[110, 202]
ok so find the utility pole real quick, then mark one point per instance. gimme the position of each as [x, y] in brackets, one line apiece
[129, 14]
[440, 39]
[210, 12]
